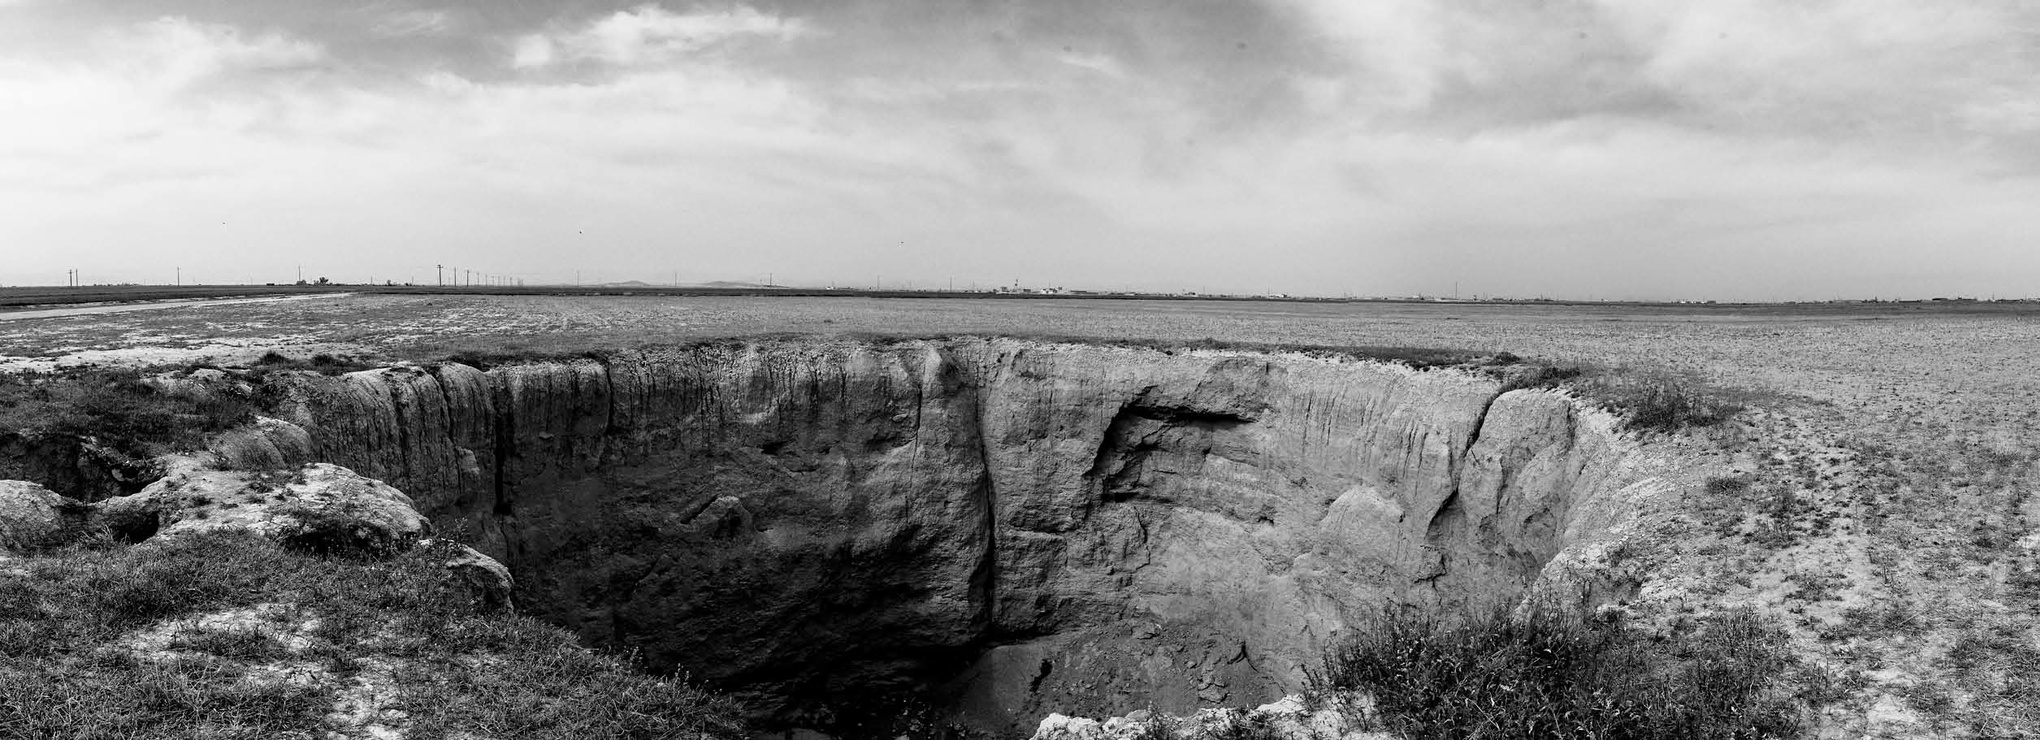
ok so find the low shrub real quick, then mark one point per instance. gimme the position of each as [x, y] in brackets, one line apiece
[1537, 376]
[1728, 485]
[1657, 401]
[1552, 674]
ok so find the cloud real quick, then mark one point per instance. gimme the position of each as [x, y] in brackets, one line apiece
[650, 34]
[414, 23]
[1399, 46]
[176, 51]
[531, 51]
[1099, 63]
[1361, 146]
[1885, 70]
[1877, 68]
[140, 87]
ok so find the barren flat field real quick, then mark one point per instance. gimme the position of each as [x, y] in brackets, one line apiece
[1875, 495]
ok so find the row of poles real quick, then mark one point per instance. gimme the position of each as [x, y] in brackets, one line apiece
[470, 278]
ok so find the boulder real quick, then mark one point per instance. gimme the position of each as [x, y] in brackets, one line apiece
[322, 508]
[485, 579]
[267, 444]
[32, 517]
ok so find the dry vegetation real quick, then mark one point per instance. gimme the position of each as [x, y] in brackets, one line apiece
[1549, 673]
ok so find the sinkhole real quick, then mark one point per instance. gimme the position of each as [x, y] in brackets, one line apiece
[980, 530]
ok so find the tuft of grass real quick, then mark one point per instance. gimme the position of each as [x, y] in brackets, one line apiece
[1240, 725]
[1158, 726]
[1728, 485]
[1552, 674]
[251, 646]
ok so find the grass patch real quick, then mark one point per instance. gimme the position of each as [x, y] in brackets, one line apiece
[322, 363]
[488, 359]
[1555, 675]
[119, 408]
[65, 670]
[1657, 400]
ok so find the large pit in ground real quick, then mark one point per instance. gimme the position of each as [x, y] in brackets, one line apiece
[990, 528]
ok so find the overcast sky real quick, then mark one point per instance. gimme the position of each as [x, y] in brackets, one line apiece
[1724, 149]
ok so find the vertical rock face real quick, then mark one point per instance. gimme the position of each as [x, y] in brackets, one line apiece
[1006, 526]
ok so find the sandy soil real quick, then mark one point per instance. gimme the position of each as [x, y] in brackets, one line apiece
[1876, 497]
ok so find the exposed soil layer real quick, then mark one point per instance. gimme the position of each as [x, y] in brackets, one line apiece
[995, 528]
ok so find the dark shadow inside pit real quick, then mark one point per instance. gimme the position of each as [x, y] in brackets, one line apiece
[74, 466]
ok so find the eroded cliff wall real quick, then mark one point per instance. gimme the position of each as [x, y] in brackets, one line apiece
[1005, 526]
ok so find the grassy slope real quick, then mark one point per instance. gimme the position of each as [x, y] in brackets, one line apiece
[69, 667]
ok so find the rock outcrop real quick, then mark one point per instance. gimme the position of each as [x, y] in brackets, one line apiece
[1004, 527]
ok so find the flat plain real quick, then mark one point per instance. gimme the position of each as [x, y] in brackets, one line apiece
[1875, 496]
